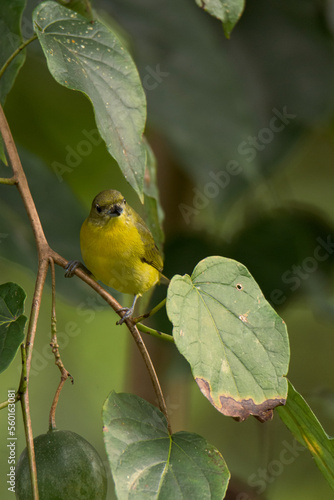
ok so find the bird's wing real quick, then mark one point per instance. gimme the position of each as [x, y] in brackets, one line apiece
[152, 253]
[153, 257]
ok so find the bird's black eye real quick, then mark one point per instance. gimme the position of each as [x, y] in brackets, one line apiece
[124, 201]
[98, 208]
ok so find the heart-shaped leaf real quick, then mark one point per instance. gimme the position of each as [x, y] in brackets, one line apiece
[304, 425]
[88, 57]
[228, 11]
[12, 322]
[147, 462]
[235, 342]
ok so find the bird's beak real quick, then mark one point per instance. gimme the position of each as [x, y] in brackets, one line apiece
[115, 211]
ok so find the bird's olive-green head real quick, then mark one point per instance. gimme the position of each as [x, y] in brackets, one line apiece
[107, 205]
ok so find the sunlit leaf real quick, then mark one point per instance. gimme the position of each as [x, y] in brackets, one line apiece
[12, 322]
[304, 425]
[89, 57]
[228, 11]
[149, 463]
[236, 344]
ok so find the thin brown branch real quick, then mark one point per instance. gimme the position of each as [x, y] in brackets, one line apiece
[55, 350]
[35, 309]
[22, 184]
[150, 368]
[30, 338]
[42, 248]
[52, 416]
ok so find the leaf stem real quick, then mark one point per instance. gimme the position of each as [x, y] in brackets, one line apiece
[4, 404]
[151, 312]
[155, 333]
[23, 382]
[9, 181]
[15, 53]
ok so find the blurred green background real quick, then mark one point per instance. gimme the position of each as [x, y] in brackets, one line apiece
[234, 181]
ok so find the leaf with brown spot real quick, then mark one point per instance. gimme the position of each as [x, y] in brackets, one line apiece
[235, 342]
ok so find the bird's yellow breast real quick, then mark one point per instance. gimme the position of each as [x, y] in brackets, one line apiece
[114, 253]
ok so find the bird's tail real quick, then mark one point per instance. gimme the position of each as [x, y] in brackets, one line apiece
[164, 280]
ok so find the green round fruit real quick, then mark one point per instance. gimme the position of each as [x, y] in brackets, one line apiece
[68, 468]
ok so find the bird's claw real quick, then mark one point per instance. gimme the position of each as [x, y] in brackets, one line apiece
[128, 313]
[71, 267]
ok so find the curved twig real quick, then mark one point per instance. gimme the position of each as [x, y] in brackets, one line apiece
[64, 374]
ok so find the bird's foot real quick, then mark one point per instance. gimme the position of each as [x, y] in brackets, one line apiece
[128, 313]
[72, 266]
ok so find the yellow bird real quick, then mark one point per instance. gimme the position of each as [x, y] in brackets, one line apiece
[118, 248]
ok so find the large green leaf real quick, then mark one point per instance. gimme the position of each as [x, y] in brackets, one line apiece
[236, 344]
[12, 322]
[89, 57]
[304, 425]
[10, 40]
[228, 11]
[149, 463]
